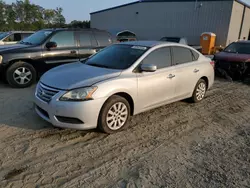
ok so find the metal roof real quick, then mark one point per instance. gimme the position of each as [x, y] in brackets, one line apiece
[153, 1]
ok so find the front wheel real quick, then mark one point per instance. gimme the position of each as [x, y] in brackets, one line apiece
[114, 115]
[199, 91]
[21, 75]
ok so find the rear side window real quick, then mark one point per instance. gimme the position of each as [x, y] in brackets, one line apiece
[87, 39]
[160, 57]
[64, 39]
[104, 39]
[195, 55]
[182, 55]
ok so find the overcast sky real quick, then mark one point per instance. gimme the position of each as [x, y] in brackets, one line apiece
[80, 9]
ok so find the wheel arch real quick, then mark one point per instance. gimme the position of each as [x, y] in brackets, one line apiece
[127, 97]
[26, 60]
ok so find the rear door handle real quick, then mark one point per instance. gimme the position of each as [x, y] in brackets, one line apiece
[171, 76]
[196, 70]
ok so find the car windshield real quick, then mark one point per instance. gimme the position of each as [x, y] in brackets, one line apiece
[36, 38]
[117, 56]
[239, 48]
[3, 35]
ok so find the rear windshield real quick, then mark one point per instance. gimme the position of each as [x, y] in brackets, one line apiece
[239, 48]
[117, 56]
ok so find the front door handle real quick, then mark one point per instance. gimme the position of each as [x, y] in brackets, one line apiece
[73, 52]
[196, 70]
[171, 76]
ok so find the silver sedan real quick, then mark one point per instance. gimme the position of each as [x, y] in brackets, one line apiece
[120, 81]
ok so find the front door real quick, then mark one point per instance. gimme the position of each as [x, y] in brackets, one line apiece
[187, 71]
[156, 88]
[65, 52]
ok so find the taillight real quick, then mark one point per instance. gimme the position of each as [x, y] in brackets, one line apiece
[212, 63]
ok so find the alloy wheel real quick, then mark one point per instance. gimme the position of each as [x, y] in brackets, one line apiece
[117, 116]
[201, 91]
[22, 75]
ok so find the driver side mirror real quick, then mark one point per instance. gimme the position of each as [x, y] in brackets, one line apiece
[148, 67]
[50, 45]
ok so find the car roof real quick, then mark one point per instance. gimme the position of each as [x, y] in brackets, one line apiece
[73, 29]
[20, 32]
[149, 44]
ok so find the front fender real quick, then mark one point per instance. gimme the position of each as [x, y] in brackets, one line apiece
[117, 85]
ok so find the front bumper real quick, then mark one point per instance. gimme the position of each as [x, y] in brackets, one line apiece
[87, 112]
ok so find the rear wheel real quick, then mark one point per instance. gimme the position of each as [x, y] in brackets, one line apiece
[114, 115]
[199, 91]
[21, 75]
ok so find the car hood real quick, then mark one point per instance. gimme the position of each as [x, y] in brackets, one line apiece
[10, 47]
[77, 75]
[233, 57]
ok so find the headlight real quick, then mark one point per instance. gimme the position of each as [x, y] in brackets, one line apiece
[81, 94]
[1, 59]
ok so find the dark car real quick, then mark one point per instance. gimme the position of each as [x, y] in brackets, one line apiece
[234, 61]
[22, 63]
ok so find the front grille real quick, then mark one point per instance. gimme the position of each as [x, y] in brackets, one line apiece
[45, 93]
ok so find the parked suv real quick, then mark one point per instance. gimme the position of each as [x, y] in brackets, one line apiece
[23, 62]
[13, 37]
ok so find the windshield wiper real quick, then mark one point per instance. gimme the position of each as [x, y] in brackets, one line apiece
[98, 65]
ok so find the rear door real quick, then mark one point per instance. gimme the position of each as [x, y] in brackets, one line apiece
[186, 71]
[65, 52]
[87, 44]
[157, 88]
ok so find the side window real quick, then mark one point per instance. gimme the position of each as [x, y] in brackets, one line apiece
[104, 39]
[64, 39]
[87, 39]
[25, 35]
[9, 38]
[17, 37]
[195, 55]
[160, 57]
[182, 55]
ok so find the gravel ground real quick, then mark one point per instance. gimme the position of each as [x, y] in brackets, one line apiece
[178, 145]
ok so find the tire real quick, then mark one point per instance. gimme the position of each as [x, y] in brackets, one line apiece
[201, 88]
[21, 75]
[119, 120]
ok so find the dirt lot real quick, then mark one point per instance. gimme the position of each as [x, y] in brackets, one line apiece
[178, 145]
